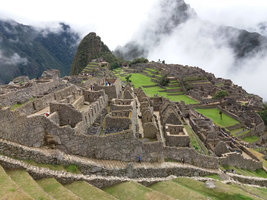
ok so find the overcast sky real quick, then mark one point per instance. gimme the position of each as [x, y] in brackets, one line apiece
[116, 20]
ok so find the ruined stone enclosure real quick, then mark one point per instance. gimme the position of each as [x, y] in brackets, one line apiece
[81, 116]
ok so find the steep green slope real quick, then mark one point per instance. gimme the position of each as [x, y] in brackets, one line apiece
[10, 190]
[56, 190]
[25, 50]
[25, 182]
[87, 191]
[132, 190]
[91, 47]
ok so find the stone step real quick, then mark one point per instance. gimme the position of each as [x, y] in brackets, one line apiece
[29, 186]
[9, 189]
[56, 190]
[88, 192]
[132, 191]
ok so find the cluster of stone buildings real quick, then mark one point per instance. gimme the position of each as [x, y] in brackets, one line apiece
[111, 122]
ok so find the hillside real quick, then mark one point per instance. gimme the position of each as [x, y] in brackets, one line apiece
[91, 47]
[26, 50]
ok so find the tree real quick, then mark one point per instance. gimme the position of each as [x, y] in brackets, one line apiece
[164, 81]
[128, 78]
[139, 60]
[115, 65]
[220, 95]
[263, 114]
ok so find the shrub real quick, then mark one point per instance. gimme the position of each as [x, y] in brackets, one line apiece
[72, 168]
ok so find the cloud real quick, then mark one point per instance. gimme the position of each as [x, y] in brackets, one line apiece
[199, 43]
[244, 14]
[15, 59]
[115, 21]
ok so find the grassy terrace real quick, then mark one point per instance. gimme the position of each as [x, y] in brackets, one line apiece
[213, 114]
[196, 142]
[258, 173]
[140, 80]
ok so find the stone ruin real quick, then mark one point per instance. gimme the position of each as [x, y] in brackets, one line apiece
[107, 122]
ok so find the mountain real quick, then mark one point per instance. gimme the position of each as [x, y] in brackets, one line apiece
[91, 47]
[26, 50]
[170, 16]
[163, 20]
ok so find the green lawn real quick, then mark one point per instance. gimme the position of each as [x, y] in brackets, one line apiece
[258, 173]
[56, 190]
[139, 80]
[221, 192]
[151, 91]
[88, 192]
[177, 191]
[196, 142]
[213, 114]
[10, 190]
[132, 191]
[68, 168]
[25, 182]
[251, 139]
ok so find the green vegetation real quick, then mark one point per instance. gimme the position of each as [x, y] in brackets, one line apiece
[220, 95]
[259, 156]
[139, 80]
[214, 176]
[177, 191]
[195, 141]
[25, 182]
[263, 114]
[89, 49]
[132, 190]
[56, 190]
[68, 168]
[87, 191]
[139, 60]
[127, 78]
[9, 190]
[258, 173]
[251, 139]
[72, 169]
[18, 105]
[221, 192]
[214, 115]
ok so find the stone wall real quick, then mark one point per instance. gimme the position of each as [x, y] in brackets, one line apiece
[22, 95]
[113, 91]
[68, 115]
[177, 140]
[237, 160]
[190, 156]
[16, 127]
[92, 96]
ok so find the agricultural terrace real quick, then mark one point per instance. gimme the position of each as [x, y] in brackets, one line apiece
[172, 92]
[214, 115]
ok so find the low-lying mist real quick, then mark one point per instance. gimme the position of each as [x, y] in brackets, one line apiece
[225, 51]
